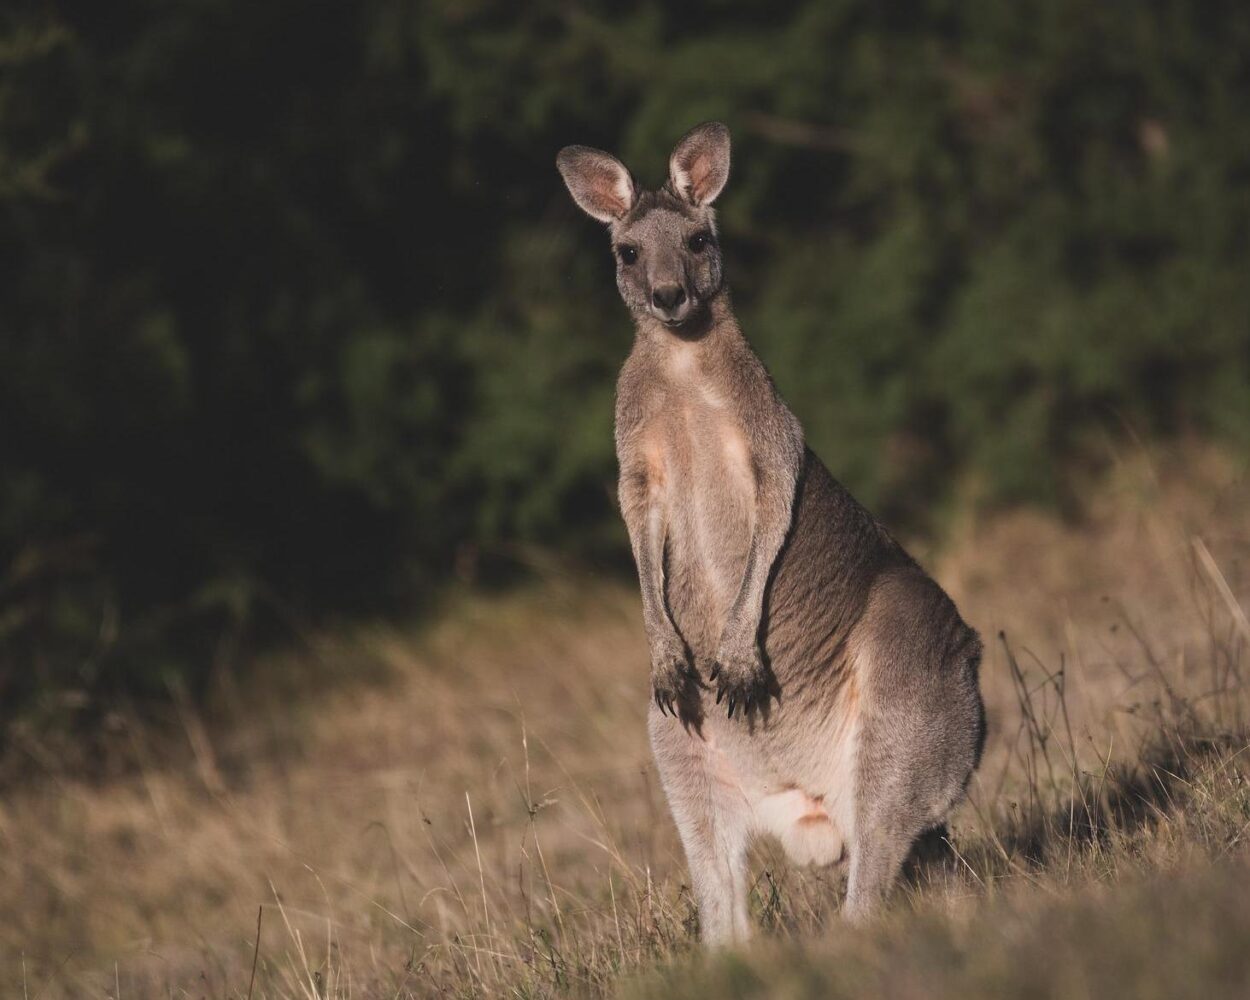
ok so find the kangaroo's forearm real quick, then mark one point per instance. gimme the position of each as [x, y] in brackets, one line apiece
[772, 524]
[649, 555]
[776, 488]
[644, 518]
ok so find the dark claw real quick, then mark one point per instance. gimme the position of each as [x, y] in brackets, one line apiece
[720, 693]
[732, 699]
[715, 672]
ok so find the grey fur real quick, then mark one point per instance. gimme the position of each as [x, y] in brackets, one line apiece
[810, 680]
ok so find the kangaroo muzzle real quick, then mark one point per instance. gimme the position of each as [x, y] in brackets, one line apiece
[670, 303]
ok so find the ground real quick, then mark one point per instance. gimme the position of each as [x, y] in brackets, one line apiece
[468, 807]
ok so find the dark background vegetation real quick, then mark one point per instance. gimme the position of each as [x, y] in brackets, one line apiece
[297, 320]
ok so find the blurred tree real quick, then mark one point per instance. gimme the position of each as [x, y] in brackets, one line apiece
[293, 307]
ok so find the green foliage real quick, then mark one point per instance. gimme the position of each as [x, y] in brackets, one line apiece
[295, 309]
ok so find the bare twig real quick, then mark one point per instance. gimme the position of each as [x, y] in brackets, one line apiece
[260, 913]
[806, 135]
[1221, 585]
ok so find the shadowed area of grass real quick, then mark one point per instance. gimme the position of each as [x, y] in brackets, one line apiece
[1174, 935]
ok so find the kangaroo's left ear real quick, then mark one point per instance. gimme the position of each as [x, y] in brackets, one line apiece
[699, 166]
[598, 182]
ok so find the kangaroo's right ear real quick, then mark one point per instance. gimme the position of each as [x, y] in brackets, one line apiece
[699, 166]
[598, 182]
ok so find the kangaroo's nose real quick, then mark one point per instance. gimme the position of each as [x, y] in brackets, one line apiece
[668, 297]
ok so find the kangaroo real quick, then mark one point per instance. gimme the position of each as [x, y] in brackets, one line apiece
[810, 680]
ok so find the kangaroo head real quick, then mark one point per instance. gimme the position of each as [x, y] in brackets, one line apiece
[668, 263]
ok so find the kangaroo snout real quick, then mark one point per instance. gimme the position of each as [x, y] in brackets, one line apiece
[668, 297]
[669, 303]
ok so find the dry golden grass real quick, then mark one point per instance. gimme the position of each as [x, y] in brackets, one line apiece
[486, 822]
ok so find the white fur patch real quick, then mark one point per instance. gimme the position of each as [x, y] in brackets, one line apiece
[803, 825]
[681, 360]
[738, 457]
[680, 180]
[624, 191]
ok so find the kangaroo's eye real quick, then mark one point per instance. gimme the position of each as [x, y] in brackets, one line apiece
[627, 254]
[698, 241]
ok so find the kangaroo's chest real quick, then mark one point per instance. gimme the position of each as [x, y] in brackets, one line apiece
[707, 494]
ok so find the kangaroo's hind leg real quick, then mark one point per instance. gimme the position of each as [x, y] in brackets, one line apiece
[901, 792]
[714, 821]
[877, 855]
[913, 769]
[922, 728]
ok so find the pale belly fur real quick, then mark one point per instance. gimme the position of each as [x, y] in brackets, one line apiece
[806, 802]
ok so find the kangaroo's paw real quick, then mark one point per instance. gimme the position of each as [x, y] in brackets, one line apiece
[671, 675]
[741, 678]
